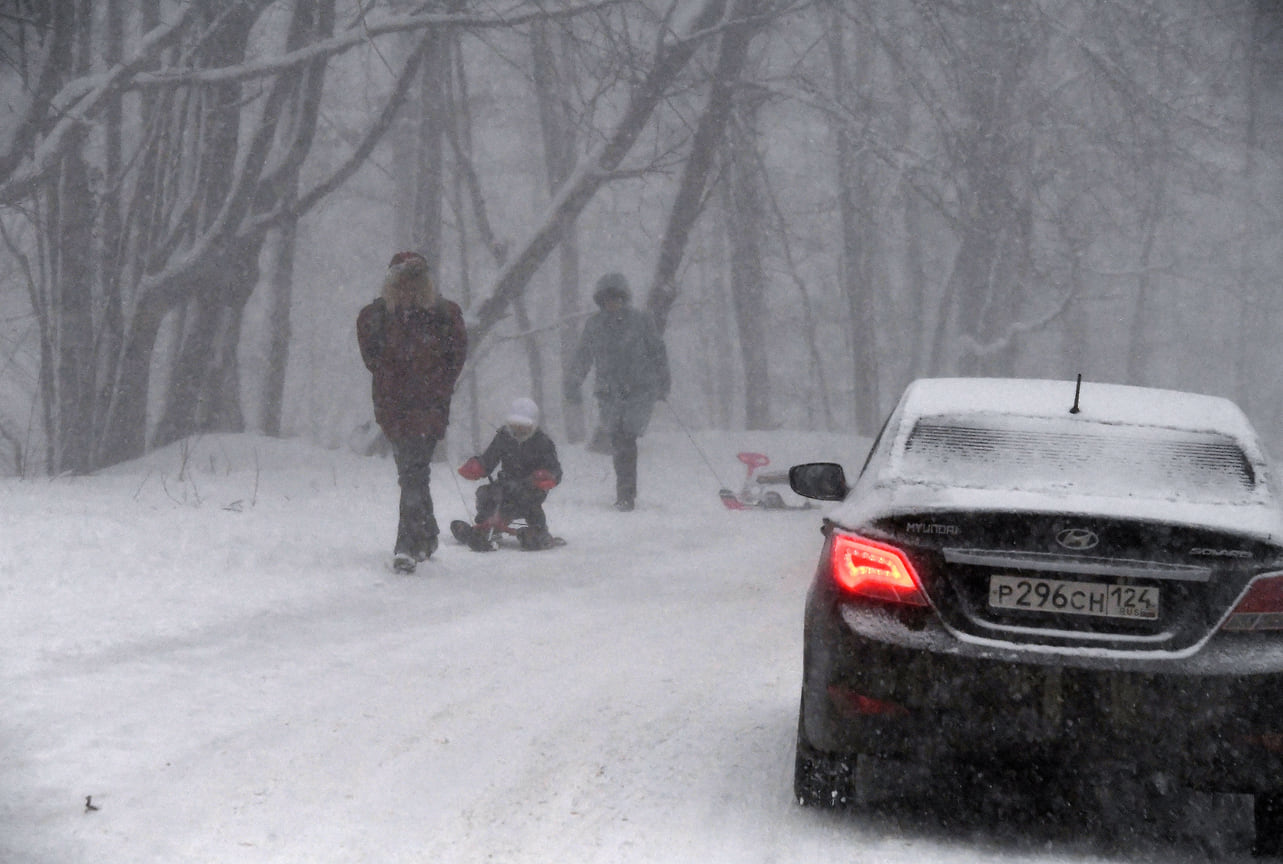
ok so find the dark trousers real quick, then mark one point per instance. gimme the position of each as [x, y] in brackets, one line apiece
[514, 500]
[623, 420]
[416, 529]
[623, 448]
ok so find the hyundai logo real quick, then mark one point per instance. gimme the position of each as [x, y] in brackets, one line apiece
[1078, 539]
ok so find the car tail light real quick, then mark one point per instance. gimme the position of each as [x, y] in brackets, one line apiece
[1261, 607]
[875, 570]
[853, 704]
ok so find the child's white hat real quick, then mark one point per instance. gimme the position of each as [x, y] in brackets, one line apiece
[524, 412]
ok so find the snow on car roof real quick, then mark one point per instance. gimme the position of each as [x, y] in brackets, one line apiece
[1110, 403]
[1013, 444]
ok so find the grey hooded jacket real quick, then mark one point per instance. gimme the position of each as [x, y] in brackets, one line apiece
[630, 361]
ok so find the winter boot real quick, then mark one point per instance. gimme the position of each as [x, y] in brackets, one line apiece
[534, 539]
[471, 536]
[403, 562]
[480, 540]
[424, 552]
[461, 530]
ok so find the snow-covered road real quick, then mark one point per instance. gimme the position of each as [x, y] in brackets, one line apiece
[210, 645]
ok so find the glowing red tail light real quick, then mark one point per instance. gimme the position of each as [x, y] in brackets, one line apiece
[875, 570]
[854, 704]
[1261, 607]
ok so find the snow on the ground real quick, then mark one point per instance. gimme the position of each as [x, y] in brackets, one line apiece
[210, 645]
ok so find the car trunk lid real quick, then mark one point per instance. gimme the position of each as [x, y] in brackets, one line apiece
[1068, 581]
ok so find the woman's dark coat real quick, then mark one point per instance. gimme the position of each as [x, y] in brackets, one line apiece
[415, 355]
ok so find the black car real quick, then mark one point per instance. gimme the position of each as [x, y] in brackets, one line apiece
[1072, 574]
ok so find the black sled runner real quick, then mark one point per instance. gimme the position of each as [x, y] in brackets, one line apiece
[486, 536]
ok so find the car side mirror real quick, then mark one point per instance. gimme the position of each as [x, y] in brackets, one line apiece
[824, 481]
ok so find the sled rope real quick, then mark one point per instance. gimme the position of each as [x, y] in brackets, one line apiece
[695, 444]
[467, 508]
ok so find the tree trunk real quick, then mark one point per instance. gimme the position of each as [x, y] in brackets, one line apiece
[73, 266]
[689, 201]
[203, 393]
[71, 209]
[196, 399]
[124, 435]
[748, 277]
[1138, 342]
[915, 276]
[551, 92]
[279, 329]
[429, 138]
[311, 19]
[112, 327]
[854, 257]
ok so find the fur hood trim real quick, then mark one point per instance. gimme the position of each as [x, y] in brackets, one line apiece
[409, 269]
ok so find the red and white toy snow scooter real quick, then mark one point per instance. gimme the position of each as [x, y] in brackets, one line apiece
[753, 495]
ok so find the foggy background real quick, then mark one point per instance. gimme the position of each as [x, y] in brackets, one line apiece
[820, 201]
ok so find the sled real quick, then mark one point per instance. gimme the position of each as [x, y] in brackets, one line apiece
[486, 536]
[752, 495]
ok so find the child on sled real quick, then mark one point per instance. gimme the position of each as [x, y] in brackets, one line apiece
[528, 469]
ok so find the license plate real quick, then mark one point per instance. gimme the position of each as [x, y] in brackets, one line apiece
[1066, 597]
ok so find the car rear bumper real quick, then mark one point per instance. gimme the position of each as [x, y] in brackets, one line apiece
[874, 686]
[1224, 655]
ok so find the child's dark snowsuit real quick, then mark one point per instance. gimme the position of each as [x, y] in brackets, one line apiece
[513, 493]
[528, 467]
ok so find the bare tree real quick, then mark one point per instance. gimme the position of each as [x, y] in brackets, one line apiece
[556, 123]
[745, 21]
[850, 91]
[1012, 186]
[744, 201]
[673, 50]
[153, 166]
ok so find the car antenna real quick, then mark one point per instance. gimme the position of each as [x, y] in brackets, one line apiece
[1077, 389]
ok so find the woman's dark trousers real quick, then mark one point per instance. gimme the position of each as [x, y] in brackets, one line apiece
[416, 532]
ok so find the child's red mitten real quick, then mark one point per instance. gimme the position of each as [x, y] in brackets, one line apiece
[472, 469]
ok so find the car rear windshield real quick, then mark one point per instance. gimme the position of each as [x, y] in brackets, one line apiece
[1085, 457]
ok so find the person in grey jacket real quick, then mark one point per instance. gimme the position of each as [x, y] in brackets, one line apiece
[625, 348]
